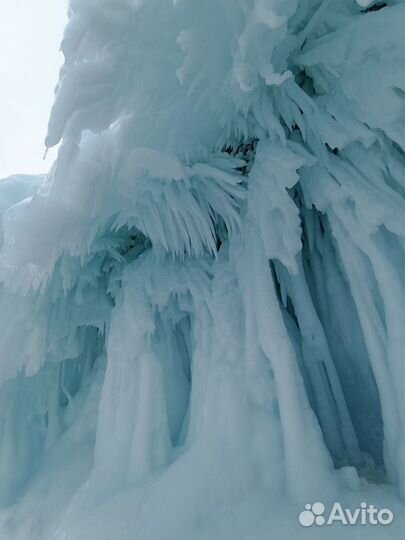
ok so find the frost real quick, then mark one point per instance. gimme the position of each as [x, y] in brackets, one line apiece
[202, 302]
[364, 3]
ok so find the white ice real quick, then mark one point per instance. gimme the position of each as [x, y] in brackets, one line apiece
[202, 303]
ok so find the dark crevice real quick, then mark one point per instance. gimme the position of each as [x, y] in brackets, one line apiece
[374, 7]
[363, 405]
[287, 304]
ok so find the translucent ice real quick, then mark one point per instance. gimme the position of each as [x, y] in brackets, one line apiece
[202, 304]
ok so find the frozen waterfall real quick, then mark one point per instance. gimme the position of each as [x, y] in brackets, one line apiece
[202, 308]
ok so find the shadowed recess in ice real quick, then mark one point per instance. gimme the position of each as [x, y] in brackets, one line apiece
[202, 304]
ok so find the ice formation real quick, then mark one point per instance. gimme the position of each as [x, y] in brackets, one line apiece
[202, 304]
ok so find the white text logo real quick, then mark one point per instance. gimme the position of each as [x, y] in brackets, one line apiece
[367, 514]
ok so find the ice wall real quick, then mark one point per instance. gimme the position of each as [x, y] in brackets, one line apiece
[202, 304]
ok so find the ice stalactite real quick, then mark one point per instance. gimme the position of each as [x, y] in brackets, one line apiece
[202, 304]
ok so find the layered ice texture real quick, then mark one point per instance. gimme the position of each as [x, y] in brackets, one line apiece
[202, 304]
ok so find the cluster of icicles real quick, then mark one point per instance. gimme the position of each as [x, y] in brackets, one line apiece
[204, 297]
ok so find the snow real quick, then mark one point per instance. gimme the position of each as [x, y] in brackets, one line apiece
[202, 302]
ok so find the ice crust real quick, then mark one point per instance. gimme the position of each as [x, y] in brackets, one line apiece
[202, 303]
